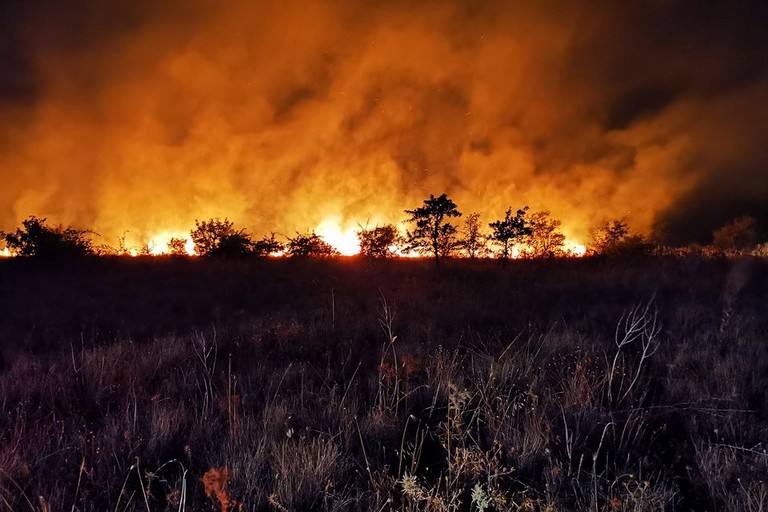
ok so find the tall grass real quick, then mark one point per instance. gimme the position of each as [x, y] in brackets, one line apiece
[567, 385]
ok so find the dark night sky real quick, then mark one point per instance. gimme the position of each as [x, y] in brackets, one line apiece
[143, 115]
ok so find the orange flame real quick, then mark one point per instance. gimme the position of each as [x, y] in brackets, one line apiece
[343, 239]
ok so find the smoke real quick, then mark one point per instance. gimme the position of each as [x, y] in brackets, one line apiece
[143, 116]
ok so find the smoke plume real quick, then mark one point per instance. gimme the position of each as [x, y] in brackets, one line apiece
[279, 114]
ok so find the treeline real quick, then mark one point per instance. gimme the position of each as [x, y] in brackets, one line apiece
[432, 232]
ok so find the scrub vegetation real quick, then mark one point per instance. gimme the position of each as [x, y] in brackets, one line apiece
[203, 384]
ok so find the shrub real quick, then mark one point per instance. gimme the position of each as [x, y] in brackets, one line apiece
[216, 237]
[378, 242]
[37, 239]
[310, 245]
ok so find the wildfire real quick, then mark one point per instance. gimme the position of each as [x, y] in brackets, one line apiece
[343, 237]
[575, 249]
[343, 240]
[160, 245]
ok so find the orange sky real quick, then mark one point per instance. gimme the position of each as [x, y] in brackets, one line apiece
[281, 115]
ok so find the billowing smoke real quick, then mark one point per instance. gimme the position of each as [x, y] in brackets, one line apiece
[144, 115]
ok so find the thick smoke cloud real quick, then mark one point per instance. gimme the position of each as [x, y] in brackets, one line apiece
[143, 116]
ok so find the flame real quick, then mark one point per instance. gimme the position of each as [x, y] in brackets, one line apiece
[579, 250]
[189, 246]
[358, 111]
[158, 244]
[343, 239]
[5, 253]
[573, 248]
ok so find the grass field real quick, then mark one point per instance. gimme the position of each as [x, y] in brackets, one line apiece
[285, 384]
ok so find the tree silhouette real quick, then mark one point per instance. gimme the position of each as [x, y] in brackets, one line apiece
[510, 229]
[610, 236]
[37, 239]
[614, 239]
[309, 245]
[545, 240]
[472, 240]
[378, 242]
[216, 237]
[433, 234]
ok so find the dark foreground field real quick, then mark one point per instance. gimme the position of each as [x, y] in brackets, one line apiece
[163, 384]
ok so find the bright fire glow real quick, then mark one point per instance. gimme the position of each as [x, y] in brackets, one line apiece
[575, 249]
[343, 240]
[159, 244]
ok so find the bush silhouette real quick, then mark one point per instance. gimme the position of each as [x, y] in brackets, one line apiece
[177, 247]
[378, 242]
[610, 236]
[310, 244]
[614, 239]
[267, 245]
[37, 239]
[216, 237]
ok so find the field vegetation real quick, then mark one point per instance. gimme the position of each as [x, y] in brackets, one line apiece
[203, 384]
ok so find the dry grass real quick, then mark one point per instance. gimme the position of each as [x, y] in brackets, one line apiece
[466, 388]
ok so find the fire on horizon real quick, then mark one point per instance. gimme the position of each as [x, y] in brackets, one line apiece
[134, 118]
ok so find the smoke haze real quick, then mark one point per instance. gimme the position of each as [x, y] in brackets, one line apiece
[279, 114]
